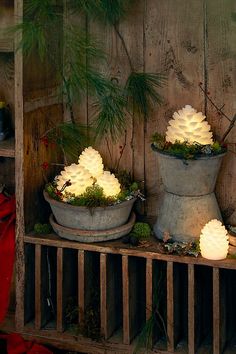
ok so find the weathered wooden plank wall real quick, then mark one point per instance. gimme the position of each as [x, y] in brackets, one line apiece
[192, 41]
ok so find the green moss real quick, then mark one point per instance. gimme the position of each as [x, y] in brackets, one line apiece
[142, 230]
[42, 228]
[185, 150]
[93, 197]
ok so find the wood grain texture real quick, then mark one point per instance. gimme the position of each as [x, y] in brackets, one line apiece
[7, 148]
[170, 307]
[221, 84]
[6, 20]
[126, 309]
[59, 289]
[110, 284]
[19, 173]
[36, 123]
[7, 82]
[191, 310]
[174, 44]
[118, 247]
[216, 312]
[81, 286]
[149, 288]
[38, 287]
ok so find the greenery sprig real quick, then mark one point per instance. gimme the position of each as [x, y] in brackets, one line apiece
[48, 32]
[185, 150]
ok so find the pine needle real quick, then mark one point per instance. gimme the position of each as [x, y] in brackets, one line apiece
[106, 11]
[71, 138]
[111, 119]
[142, 92]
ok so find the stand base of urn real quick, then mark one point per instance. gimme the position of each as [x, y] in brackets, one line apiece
[184, 217]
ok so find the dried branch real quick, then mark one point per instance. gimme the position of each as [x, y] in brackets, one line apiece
[220, 110]
[124, 46]
[228, 130]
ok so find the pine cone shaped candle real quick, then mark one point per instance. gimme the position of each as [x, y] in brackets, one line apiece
[214, 242]
[109, 183]
[92, 161]
[79, 177]
[190, 126]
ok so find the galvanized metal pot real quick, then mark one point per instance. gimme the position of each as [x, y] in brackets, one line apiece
[99, 218]
[189, 201]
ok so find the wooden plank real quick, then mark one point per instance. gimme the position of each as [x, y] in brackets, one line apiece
[103, 289]
[7, 84]
[38, 287]
[29, 288]
[216, 311]
[170, 307]
[7, 148]
[221, 83]
[6, 21]
[191, 310]
[126, 305]
[60, 289]
[110, 284]
[117, 247]
[136, 42]
[219, 329]
[19, 174]
[7, 175]
[70, 288]
[173, 45]
[149, 288]
[81, 286]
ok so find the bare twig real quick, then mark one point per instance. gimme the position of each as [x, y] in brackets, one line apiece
[124, 46]
[219, 109]
[57, 164]
[69, 101]
[228, 130]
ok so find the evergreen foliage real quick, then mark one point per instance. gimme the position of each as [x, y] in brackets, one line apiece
[74, 55]
[185, 150]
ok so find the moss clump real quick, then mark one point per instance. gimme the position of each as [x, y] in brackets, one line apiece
[42, 228]
[184, 150]
[92, 197]
[141, 230]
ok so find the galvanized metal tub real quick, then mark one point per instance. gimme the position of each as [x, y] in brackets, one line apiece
[189, 201]
[99, 218]
[91, 236]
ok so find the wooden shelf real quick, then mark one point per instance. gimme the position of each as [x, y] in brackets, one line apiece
[117, 247]
[6, 45]
[7, 148]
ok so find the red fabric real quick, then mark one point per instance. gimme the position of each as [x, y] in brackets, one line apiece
[7, 250]
[17, 345]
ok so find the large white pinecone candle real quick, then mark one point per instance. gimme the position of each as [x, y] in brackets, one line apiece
[92, 161]
[190, 126]
[109, 183]
[79, 177]
[214, 241]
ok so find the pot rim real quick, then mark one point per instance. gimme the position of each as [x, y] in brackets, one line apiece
[166, 154]
[85, 208]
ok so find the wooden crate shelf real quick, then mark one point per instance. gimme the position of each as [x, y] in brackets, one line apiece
[7, 148]
[193, 305]
[6, 45]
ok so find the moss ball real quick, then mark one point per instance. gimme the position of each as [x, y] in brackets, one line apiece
[142, 230]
